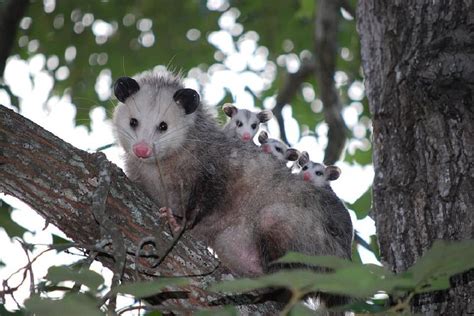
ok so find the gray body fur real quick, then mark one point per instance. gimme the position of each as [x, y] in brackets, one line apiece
[245, 206]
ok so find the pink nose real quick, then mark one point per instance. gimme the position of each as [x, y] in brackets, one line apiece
[266, 148]
[306, 176]
[142, 150]
[246, 137]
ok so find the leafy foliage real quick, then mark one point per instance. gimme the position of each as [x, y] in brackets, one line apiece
[11, 227]
[363, 204]
[430, 273]
[88, 278]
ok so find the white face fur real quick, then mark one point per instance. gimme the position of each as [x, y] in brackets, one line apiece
[245, 123]
[276, 148]
[149, 124]
[318, 174]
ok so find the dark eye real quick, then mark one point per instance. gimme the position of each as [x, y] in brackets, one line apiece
[318, 173]
[239, 123]
[305, 168]
[163, 126]
[278, 149]
[254, 125]
[133, 123]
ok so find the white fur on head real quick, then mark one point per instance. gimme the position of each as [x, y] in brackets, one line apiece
[161, 122]
[244, 123]
[318, 174]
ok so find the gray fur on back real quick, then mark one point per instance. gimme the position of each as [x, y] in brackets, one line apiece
[242, 203]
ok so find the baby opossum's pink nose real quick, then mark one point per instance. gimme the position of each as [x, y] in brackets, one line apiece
[306, 176]
[266, 148]
[246, 137]
[142, 150]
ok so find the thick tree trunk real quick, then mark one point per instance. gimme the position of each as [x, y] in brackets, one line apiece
[418, 64]
[61, 183]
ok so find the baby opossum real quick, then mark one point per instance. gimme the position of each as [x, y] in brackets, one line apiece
[246, 207]
[317, 173]
[277, 148]
[244, 123]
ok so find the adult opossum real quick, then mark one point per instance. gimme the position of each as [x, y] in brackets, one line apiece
[246, 207]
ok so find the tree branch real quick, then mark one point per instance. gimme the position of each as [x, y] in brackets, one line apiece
[326, 26]
[292, 83]
[11, 12]
[60, 182]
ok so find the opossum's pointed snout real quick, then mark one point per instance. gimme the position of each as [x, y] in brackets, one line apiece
[306, 176]
[246, 137]
[142, 150]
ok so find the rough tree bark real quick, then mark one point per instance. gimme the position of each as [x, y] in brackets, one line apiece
[418, 63]
[59, 181]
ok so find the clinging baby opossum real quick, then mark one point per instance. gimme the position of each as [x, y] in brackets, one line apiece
[246, 207]
[244, 123]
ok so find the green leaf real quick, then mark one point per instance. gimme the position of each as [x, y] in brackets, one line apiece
[365, 307]
[2, 264]
[88, 278]
[442, 261]
[363, 204]
[72, 305]
[320, 261]
[306, 9]
[294, 279]
[11, 228]
[302, 310]
[362, 157]
[4, 312]
[225, 311]
[57, 240]
[149, 288]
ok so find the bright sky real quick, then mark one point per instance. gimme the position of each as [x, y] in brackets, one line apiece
[32, 83]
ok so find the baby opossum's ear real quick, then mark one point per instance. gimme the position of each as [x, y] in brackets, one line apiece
[187, 98]
[332, 172]
[262, 137]
[229, 109]
[292, 154]
[125, 87]
[264, 116]
[303, 159]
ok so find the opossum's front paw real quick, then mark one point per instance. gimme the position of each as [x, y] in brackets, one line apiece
[167, 214]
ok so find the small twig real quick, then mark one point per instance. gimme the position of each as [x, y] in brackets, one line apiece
[290, 87]
[141, 244]
[29, 268]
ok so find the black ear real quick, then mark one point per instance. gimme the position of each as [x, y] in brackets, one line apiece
[262, 137]
[303, 159]
[292, 154]
[187, 98]
[264, 116]
[125, 87]
[229, 109]
[332, 172]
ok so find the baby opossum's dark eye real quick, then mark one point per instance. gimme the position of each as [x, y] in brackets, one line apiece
[278, 149]
[318, 173]
[238, 123]
[305, 168]
[133, 123]
[163, 126]
[254, 125]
